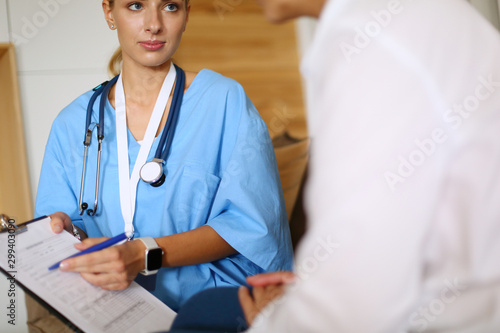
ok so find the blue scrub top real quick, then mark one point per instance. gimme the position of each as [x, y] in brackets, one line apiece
[221, 172]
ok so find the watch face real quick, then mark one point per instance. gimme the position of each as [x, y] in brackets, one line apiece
[154, 259]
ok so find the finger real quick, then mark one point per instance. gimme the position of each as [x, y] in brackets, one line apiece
[56, 224]
[101, 261]
[273, 292]
[263, 295]
[59, 221]
[105, 267]
[258, 294]
[247, 304]
[108, 281]
[88, 242]
[115, 286]
[275, 278]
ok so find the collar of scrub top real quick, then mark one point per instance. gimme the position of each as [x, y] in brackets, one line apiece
[163, 146]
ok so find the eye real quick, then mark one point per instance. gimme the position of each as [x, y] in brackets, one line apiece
[135, 6]
[171, 7]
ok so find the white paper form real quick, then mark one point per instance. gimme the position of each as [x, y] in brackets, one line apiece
[88, 307]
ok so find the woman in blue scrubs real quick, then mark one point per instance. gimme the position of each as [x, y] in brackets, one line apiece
[219, 216]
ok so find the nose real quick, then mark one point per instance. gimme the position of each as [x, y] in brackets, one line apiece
[153, 22]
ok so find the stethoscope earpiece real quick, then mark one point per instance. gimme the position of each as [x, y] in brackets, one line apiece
[90, 212]
[83, 207]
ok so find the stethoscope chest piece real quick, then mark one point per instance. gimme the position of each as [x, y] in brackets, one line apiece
[152, 172]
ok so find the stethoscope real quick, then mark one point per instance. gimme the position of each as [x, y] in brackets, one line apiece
[152, 171]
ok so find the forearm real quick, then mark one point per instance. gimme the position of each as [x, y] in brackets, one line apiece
[194, 247]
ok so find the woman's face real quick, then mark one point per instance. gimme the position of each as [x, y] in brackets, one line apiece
[149, 31]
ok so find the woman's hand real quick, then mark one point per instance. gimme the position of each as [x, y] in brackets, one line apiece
[274, 278]
[266, 288]
[60, 221]
[113, 268]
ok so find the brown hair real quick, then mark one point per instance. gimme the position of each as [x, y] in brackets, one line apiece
[115, 63]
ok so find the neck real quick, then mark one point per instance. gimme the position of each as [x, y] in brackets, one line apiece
[317, 8]
[142, 84]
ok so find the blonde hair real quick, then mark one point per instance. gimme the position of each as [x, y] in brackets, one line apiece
[115, 63]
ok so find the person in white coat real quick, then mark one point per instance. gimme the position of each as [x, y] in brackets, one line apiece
[403, 198]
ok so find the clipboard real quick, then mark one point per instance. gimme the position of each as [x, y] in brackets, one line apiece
[44, 304]
[80, 305]
[7, 224]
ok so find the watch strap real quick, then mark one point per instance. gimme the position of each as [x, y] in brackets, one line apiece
[149, 242]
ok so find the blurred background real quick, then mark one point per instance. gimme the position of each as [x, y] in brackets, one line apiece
[51, 51]
[63, 46]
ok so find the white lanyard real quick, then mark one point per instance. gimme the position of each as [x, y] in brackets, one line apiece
[128, 186]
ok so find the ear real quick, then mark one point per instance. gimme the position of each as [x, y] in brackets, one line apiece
[187, 15]
[108, 13]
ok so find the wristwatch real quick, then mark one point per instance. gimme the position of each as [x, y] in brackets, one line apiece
[153, 257]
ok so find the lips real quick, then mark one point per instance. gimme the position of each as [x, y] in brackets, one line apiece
[152, 44]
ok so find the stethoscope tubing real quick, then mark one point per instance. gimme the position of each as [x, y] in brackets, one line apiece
[165, 139]
[169, 130]
[101, 90]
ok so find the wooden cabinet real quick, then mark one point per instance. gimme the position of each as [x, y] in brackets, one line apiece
[15, 194]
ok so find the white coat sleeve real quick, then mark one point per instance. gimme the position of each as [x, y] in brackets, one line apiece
[371, 196]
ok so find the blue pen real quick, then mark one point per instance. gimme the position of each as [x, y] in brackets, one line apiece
[97, 247]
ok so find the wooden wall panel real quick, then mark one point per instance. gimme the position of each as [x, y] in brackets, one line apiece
[233, 38]
[15, 194]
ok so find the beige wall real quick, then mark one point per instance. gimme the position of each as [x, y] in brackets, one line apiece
[4, 27]
[62, 48]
